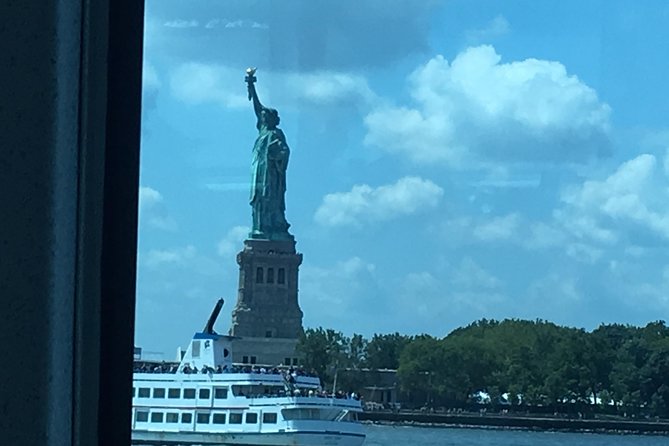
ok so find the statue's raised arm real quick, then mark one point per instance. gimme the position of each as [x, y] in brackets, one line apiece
[253, 95]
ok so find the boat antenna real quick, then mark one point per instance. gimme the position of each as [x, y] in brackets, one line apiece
[209, 328]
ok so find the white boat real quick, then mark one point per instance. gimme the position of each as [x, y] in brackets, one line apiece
[206, 400]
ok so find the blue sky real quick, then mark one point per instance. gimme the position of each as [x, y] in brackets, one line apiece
[450, 161]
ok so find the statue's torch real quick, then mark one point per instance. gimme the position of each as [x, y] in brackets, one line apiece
[250, 79]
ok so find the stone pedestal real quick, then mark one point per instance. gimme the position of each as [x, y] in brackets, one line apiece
[267, 305]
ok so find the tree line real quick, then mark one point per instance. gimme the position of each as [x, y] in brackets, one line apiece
[615, 368]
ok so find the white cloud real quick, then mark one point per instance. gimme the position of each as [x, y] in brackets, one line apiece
[497, 27]
[230, 24]
[584, 253]
[233, 240]
[422, 294]
[542, 236]
[367, 204]
[197, 83]
[156, 257]
[148, 197]
[499, 228]
[333, 291]
[470, 276]
[634, 196]
[479, 109]
[665, 164]
[181, 23]
[329, 87]
[152, 210]
[552, 295]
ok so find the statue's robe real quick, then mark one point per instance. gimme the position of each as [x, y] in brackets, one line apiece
[268, 183]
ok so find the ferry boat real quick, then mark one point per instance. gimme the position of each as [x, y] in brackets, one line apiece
[207, 400]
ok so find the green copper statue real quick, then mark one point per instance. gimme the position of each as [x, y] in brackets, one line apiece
[268, 172]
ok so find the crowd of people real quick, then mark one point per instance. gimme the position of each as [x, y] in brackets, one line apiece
[165, 367]
[289, 374]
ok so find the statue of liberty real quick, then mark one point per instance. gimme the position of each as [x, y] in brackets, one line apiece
[268, 172]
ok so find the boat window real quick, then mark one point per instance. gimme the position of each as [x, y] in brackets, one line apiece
[202, 418]
[205, 394]
[156, 417]
[159, 393]
[134, 390]
[172, 417]
[270, 275]
[141, 416]
[350, 416]
[281, 276]
[329, 414]
[259, 277]
[269, 418]
[196, 349]
[219, 418]
[235, 418]
[251, 418]
[186, 418]
[221, 393]
[259, 390]
[144, 392]
[174, 393]
[189, 394]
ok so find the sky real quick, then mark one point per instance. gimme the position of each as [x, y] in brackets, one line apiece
[450, 160]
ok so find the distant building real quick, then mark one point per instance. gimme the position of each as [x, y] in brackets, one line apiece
[375, 386]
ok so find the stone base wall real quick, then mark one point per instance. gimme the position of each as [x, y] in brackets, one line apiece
[265, 351]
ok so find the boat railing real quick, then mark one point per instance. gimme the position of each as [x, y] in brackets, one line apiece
[171, 368]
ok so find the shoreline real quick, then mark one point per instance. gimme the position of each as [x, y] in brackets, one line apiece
[507, 422]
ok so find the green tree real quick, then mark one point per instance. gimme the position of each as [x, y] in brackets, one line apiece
[323, 350]
[383, 351]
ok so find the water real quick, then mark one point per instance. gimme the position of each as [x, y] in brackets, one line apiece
[424, 436]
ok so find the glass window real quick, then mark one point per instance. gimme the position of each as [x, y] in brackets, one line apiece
[270, 275]
[251, 418]
[205, 394]
[219, 418]
[196, 349]
[253, 359]
[174, 393]
[268, 333]
[281, 276]
[221, 393]
[269, 417]
[186, 418]
[294, 361]
[141, 416]
[286, 361]
[202, 418]
[259, 278]
[144, 392]
[245, 359]
[156, 417]
[189, 394]
[236, 418]
[172, 417]
[159, 393]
